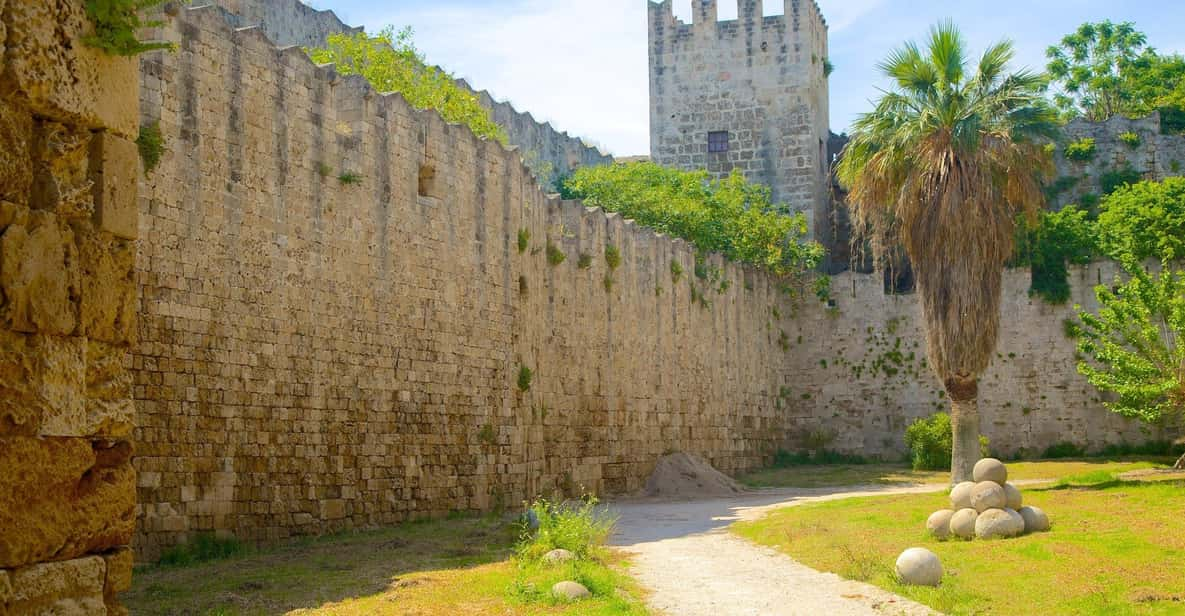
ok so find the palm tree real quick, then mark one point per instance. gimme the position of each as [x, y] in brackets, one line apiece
[944, 166]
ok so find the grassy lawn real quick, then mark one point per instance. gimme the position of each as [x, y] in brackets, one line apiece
[460, 566]
[835, 475]
[1117, 547]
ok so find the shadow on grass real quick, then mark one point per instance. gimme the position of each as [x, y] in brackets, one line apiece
[308, 573]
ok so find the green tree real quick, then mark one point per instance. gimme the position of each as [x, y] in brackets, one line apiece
[391, 63]
[1105, 69]
[944, 165]
[1059, 239]
[731, 216]
[1144, 221]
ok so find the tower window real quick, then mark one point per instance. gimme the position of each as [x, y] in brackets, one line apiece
[718, 141]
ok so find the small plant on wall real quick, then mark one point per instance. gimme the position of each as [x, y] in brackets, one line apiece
[524, 240]
[116, 23]
[1131, 139]
[555, 256]
[1082, 150]
[151, 144]
[525, 375]
[676, 271]
[349, 178]
[612, 257]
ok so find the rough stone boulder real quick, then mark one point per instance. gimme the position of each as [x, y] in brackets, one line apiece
[962, 523]
[557, 556]
[998, 524]
[988, 495]
[990, 469]
[960, 495]
[1012, 497]
[919, 567]
[1035, 520]
[570, 591]
[938, 524]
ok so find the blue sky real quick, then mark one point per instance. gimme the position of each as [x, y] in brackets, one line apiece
[582, 63]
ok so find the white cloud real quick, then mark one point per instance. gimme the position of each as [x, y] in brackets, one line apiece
[581, 65]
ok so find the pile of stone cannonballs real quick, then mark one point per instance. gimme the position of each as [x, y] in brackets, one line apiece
[987, 508]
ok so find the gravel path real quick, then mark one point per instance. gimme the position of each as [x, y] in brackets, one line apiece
[692, 566]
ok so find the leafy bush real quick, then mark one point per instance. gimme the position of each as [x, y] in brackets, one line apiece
[1058, 239]
[391, 63]
[1144, 220]
[1082, 150]
[1064, 449]
[525, 375]
[930, 440]
[151, 144]
[1118, 178]
[1131, 139]
[116, 23]
[202, 548]
[524, 240]
[580, 528]
[731, 216]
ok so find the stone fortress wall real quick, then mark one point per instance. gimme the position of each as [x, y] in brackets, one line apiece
[761, 79]
[68, 175]
[549, 152]
[1155, 157]
[317, 355]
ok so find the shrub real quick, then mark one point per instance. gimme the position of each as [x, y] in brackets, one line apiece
[1131, 139]
[1118, 178]
[1064, 449]
[151, 144]
[1144, 220]
[929, 441]
[524, 378]
[202, 548]
[612, 257]
[580, 528]
[555, 256]
[391, 63]
[1058, 239]
[349, 178]
[1081, 151]
[116, 23]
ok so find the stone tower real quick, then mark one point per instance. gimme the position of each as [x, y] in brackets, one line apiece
[748, 94]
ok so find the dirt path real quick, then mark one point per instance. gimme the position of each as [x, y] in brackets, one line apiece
[684, 554]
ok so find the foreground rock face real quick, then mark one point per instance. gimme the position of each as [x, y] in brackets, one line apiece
[919, 567]
[69, 170]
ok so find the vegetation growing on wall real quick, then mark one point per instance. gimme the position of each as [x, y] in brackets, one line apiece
[1081, 150]
[116, 24]
[151, 144]
[391, 63]
[730, 216]
[1049, 245]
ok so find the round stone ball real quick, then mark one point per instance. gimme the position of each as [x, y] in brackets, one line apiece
[1012, 497]
[558, 556]
[995, 524]
[938, 525]
[990, 469]
[987, 495]
[962, 523]
[960, 495]
[919, 567]
[570, 591]
[1035, 520]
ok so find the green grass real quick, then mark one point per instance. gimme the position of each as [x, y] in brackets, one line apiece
[1115, 549]
[839, 475]
[456, 566]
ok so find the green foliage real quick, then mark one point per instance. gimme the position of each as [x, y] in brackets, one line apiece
[349, 178]
[1144, 220]
[730, 216]
[1064, 449]
[1090, 201]
[391, 63]
[822, 288]
[612, 257]
[151, 144]
[1081, 150]
[608, 282]
[676, 271]
[1134, 345]
[525, 375]
[1118, 178]
[543, 170]
[1150, 448]
[1061, 185]
[585, 261]
[1172, 120]
[202, 548]
[116, 23]
[555, 256]
[1105, 69]
[580, 528]
[828, 67]
[524, 240]
[487, 435]
[1071, 329]
[929, 441]
[1058, 239]
[324, 170]
[786, 459]
[1131, 139]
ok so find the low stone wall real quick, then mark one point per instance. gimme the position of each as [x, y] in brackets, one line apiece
[68, 175]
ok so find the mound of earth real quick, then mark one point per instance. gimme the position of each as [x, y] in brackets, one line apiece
[683, 475]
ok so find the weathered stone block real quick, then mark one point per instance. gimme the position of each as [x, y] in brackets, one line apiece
[68, 588]
[61, 156]
[16, 167]
[41, 382]
[59, 77]
[61, 498]
[119, 578]
[107, 307]
[114, 171]
[39, 276]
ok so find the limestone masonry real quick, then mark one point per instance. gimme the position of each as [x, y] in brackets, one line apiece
[68, 225]
[317, 355]
[749, 94]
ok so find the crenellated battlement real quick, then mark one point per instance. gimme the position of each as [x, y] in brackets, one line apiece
[705, 17]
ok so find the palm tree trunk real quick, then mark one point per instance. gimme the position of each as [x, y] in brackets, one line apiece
[964, 419]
